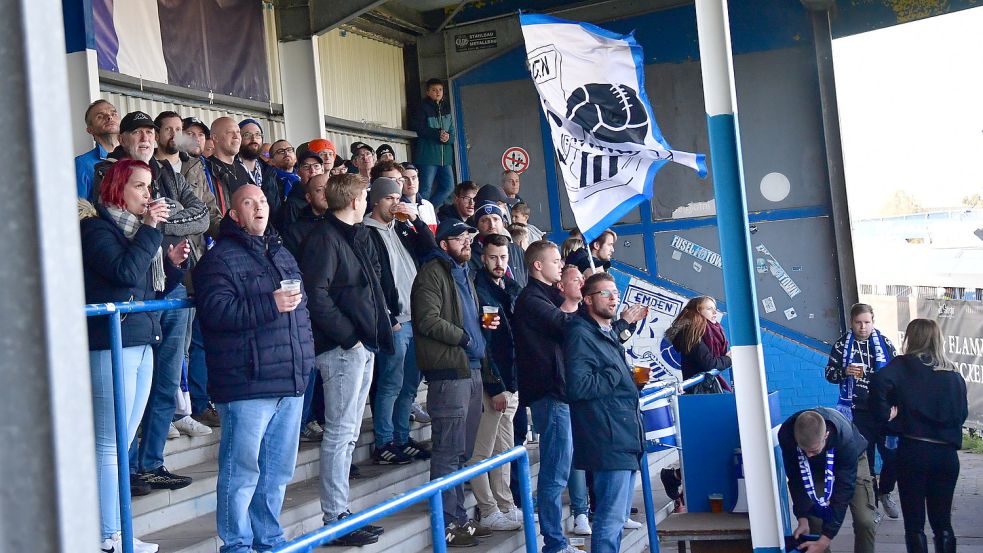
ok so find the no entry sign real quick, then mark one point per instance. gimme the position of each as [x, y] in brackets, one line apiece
[515, 159]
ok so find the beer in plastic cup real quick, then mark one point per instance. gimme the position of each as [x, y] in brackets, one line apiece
[716, 502]
[488, 314]
[290, 285]
[402, 217]
[577, 543]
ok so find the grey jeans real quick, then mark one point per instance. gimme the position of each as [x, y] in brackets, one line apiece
[347, 376]
[455, 408]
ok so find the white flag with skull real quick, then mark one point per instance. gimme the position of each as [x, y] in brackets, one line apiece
[592, 86]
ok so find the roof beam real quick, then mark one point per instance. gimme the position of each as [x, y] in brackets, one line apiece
[301, 19]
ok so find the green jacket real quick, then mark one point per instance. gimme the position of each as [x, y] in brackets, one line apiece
[438, 328]
[429, 120]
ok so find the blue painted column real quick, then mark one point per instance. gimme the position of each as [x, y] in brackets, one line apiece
[757, 445]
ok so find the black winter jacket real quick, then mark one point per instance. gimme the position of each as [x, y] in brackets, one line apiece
[501, 344]
[295, 233]
[538, 329]
[291, 209]
[699, 359]
[117, 269]
[342, 274]
[849, 445]
[604, 413]
[251, 349]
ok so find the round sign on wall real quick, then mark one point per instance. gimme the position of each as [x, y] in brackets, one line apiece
[515, 159]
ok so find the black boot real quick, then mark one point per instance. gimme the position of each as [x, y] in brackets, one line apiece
[945, 542]
[916, 542]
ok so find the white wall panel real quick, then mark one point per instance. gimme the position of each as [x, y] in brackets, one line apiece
[363, 79]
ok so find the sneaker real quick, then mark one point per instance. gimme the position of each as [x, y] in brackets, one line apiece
[569, 549]
[459, 536]
[173, 432]
[190, 427]
[389, 454]
[115, 545]
[144, 547]
[356, 538]
[499, 522]
[374, 530]
[353, 472]
[209, 417]
[418, 414]
[632, 524]
[312, 432]
[416, 450]
[890, 505]
[581, 526]
[138, 486]
[161, 479]
[476, 529]
[878, 516]
[515, 514]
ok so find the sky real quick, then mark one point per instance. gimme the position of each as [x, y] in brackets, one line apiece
[911, 111]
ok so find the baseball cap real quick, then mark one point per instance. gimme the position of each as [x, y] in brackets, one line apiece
[450, 228]
[358, 145]
[134, 120]
[385, 148]
[308, 155]
[192, 121]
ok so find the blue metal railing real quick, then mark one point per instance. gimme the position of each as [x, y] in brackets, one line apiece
[430, 491]
[115, 311]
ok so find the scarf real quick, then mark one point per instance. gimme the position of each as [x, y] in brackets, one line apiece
[714, 338]
[822, 507]
[130, 224]
[845, 402]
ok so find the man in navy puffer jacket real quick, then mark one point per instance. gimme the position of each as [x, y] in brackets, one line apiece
[259, 349]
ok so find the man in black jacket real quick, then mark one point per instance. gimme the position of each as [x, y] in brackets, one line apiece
[539, 330]
[259, 354]
[351, 322]
[602, 395]
[500, 401]
[825, 459]
[462, 204]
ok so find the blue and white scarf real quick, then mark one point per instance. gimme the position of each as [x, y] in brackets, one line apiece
[845, 402]
[822, 508]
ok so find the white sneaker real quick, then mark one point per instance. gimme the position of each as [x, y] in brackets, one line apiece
[581, 526]
[115, 545]
[173, 432]
[140, 546]
[890, 506]
[569, 549]
[632, 524]
[515, 514]
[419, 415]
[190, 427]
[499, 522]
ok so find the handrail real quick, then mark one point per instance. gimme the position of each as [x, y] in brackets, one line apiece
[431, 491]
[115, 312]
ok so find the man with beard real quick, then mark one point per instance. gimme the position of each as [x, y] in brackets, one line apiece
[102, 122]
[259, 171]
[283, 158]
[450, 352]
[298, 199]
[489, 218]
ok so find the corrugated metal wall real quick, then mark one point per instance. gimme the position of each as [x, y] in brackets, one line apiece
[152, 105]
[342, 140]
[363, 79]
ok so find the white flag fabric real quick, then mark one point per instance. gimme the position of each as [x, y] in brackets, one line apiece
[592, 86]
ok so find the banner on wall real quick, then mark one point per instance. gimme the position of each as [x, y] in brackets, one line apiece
[591, 84]
[209, 45]
[648, 347]
[962, 333]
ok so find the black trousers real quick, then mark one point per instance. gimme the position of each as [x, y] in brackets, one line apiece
[927, 474]
[873, 431]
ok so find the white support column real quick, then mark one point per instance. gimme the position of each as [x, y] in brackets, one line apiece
[303, 96]
[83, 89]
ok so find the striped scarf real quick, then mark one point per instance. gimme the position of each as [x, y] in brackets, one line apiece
[822, 508]
[845, 402]
[130, 224]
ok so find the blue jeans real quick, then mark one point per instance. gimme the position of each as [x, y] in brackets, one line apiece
[407, 395]
[138, 369]
[436, 183]
[256, 459]
[347, 377]
[197, 371]
[388, 385]
[167, 377]
[577, 488]
[613, 491]
[552, 419]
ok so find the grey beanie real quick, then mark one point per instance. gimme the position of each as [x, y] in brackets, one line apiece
[382, 187]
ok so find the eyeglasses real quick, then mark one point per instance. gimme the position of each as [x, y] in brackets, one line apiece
[282, 151]
[309, 165]
[401, 180]
[251, 135]
[466, 239]
[467, 199]
[607, 293]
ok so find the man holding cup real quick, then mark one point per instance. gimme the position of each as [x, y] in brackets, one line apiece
[451, 354]
[259, 352]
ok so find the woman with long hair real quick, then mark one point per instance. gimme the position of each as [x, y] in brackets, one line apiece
[123, 261]
[924, 397]
[699, 339]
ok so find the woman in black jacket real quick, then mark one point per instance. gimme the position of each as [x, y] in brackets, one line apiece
[699, 339]
[924, 397]
[123, 261]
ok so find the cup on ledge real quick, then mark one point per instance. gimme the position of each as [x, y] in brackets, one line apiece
[488, 314]
[577, 543]
[291, 285]
[716, 502]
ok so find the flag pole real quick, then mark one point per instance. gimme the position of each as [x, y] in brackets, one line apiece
[757, 445]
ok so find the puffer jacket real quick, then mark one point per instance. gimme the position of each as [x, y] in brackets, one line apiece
[604, 414]
[251, 349]
[428, 121]
[117, 269]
